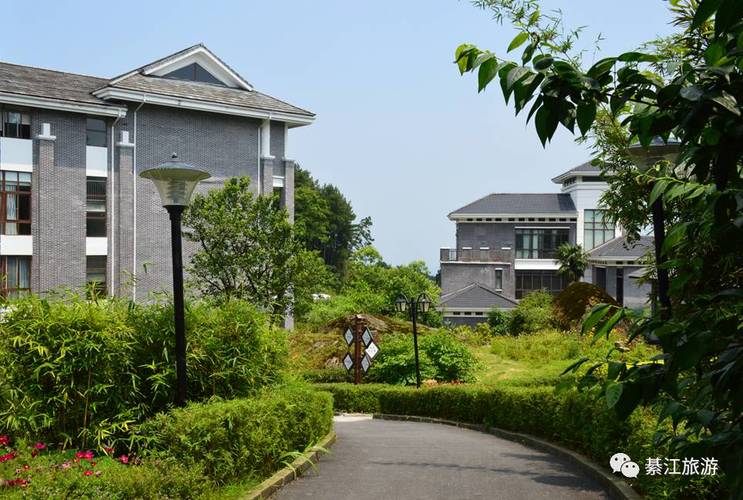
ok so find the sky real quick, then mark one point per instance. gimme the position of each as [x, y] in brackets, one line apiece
[398, 130]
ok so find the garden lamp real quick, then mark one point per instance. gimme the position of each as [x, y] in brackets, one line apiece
[401, 304]
[424, 303]
[175, 181]
[644, 158]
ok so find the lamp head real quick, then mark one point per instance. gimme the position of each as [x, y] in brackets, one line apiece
[401, 304]
[424, 303]
[658, 149]
[175, 181]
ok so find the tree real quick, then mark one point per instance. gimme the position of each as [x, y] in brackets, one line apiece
[326, 221]
[689, 89]
[573, 261]
[247, 249]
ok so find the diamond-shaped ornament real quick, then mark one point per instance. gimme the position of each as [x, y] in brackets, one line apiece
[366, 337]
[348, 336]
[365, 363]
[348, 361]
[372, 350]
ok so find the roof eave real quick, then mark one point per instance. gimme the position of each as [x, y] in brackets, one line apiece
[62, 104]
[294, 120]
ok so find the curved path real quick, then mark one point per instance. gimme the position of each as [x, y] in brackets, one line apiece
[390, 460]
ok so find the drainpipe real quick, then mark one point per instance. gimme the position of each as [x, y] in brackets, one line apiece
[119, 116]
[134, 200]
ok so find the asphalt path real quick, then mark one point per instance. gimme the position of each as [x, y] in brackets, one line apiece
[390, 460]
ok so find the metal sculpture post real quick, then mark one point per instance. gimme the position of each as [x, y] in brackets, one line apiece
[359, 335]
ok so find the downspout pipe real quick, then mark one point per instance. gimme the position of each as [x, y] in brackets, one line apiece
[119, 116]
[134, 199]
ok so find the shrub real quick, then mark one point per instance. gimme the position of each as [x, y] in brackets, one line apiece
[499, 321]
[534, 313]
[242, 437]
[442, 357]
[572, 303]
[61, 475]
[571, 418]
[79, 372]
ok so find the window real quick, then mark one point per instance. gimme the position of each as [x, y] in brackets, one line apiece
[550, 281]
[16, 276]
[95, 132]
[96, 207]
[194, 72]
[596, 229]
[95, 275]
[620, 286]
[15, 211]
[535, 243]
[16, 124]
[499, 279]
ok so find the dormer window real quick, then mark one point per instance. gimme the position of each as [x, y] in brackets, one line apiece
[194, 72]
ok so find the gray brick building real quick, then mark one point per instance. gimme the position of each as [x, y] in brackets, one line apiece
[506, 245]
[73, 208]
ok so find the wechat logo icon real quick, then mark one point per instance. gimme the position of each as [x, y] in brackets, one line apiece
[621, 462]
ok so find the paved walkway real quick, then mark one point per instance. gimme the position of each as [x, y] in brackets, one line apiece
[389, 460]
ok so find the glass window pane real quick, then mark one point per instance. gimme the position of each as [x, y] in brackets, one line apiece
[24, 207]
[96, 227]
[24, 272]
[12, 272]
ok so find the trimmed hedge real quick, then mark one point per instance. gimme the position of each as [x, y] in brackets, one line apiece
[241, 438]
[573, 419]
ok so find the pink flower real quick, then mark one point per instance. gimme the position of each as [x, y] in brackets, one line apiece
[66, 465]
[7, 456]
[108, 450]
[4, 440]
[26, 466]
[87, 455]
[124, 459]
[40, 446]
[88, 472]
[17, 482]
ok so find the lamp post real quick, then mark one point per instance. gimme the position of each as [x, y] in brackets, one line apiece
[175, 181]
[644, 158]
[420, 304]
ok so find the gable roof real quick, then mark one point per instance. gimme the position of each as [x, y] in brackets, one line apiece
[23, 83]
[584, 168]
[170, 61]
[26, 85]
[519, 203]
[619, 249]
[476, 296]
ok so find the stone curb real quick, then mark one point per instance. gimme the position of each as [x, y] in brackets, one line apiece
[289, 473]
[616, 488]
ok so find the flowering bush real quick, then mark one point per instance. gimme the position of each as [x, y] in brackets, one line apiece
[81, 373]
[34, 471]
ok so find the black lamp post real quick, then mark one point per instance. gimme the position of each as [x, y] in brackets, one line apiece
[644, 158]
[176, 181]
[415, 305]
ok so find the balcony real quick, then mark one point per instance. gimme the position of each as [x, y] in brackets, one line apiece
[475, 255]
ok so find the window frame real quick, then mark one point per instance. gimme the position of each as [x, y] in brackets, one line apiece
[96, 215]
[100, 286]
[5, 193]
[499, 279]
[14, 292]
[96, 132]
[593, 227]
[537, 237]
[22, 126]
[557, 282]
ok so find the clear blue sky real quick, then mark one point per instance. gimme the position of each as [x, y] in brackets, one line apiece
[398, 130]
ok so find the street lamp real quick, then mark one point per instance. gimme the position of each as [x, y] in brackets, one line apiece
[420, 304]
[644, 158]
[176, 181]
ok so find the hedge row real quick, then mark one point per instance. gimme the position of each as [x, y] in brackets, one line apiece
[573, 419]
[227, 440]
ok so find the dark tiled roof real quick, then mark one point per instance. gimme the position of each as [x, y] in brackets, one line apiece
[477, 296]
[45, 83]
[520, 203]
[207, 92]
[618, 247]
[583, 168]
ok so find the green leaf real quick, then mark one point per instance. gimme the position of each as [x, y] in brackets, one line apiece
[669, 410]
[601, 67]
[573, 367]
[714, 53]
[609, 325]
[541, 63]
[727, 101]
[586, 114]
[528, 52]
[615, 369]
[658, 189]
[518, 41]
[729, 13]
[546, 123]
[637, 57]
[613, 394]
[488, 70]
[674, 236]
[596, 315]
[704, 11]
